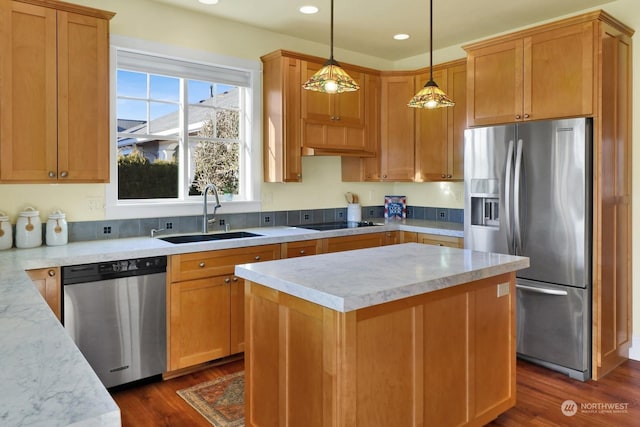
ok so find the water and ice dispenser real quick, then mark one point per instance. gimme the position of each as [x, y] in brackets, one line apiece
[485, 202]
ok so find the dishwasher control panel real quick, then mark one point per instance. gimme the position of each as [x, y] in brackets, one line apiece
[113, 269]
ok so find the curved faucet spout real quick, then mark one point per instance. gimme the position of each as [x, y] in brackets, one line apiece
[205, 218]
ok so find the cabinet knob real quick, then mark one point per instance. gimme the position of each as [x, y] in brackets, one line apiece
[201, 265]
[518, 116]
[526, 116]
[227, 280]
[384, 176]
[52, 174]
[302, 252]
[235, 279]
[64, 174]
[443, 176]
[51, 273]
[449, 176]
[257, 258]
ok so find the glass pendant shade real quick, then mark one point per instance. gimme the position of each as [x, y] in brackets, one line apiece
[331, 78]
[431, 96]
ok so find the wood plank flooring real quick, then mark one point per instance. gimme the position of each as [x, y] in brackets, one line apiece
[540, 394]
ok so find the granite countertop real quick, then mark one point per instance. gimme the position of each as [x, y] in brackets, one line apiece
[362, 278]
[45, 379]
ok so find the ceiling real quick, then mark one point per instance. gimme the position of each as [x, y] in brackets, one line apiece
[367, 26]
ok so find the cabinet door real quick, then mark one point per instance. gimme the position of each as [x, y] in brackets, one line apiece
[494, 82]
[432, 144]
[558, 72]
[397, 129]
[236, 326]
[28, 115]
[47, 280]
[456, 121]
[83, 98]
[199, 321]
[301, 248]
[281, 119]
[345, 109]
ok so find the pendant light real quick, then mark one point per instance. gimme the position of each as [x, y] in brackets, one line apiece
[331, 78]
[431, 96]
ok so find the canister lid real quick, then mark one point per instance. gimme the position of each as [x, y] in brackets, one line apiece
[3, 216]
[29, 212]
[57, 214]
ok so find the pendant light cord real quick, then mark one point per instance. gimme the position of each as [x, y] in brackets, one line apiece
[331, 53]
[430, 39]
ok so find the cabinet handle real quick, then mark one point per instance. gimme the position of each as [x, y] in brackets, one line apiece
[201, 265]
[302, 252]
[257, 258]
[443, 176]
[518, 116]
[227, 280]
[526, 116]
[64, 174]
[52, 174]
[51, 273]
[235, 279]
[449, 176]
[384, 176]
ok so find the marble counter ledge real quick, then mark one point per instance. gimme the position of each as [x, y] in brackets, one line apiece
[351, 280]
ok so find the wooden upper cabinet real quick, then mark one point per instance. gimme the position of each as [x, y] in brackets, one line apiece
[539, 74]
[54, 92]
[397, 128]
[439, 140]
[334, 123]
[281, 118]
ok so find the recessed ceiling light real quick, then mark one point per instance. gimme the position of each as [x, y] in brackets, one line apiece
[208, 1]
[308, 10]
[401, 36]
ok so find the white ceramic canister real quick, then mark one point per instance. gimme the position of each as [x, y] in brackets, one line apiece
[6, 233]
[28, 229]
[57, 231]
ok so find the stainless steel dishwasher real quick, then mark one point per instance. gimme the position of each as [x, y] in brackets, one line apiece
[116, 314]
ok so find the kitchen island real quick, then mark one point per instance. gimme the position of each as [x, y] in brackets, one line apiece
[405, 335]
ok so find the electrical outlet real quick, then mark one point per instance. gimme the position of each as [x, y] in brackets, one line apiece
[503, 289]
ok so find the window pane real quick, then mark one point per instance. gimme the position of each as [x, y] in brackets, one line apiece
[199, 92]
[164, 88]
[165, 119]
[132, 115]
[212, 123]
[228, 97]
[141, 175]
[132, 84]
[214, 162]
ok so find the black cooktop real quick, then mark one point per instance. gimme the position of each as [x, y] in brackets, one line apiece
[336, 225]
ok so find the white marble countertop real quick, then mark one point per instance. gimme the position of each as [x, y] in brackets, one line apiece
[351, 280]
[45, 379]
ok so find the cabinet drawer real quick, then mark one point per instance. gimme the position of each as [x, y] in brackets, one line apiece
[215, 263]
[439, 240]
[302, 248]
[357, 241]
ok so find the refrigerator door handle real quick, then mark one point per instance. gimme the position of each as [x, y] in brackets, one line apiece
[508, 182]
[542, 290]
[516, 198]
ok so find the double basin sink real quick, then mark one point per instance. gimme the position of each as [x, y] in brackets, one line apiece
[193, 238]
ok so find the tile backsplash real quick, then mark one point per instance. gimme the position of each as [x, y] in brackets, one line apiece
[114, 229]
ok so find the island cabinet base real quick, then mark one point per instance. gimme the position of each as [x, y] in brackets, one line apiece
[445, 358]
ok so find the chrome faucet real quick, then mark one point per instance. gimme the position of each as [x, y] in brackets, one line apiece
[205, 220]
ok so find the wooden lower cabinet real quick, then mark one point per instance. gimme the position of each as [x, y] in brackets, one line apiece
[432, 239]
[440, 359]
[205, 304]
[47, 280]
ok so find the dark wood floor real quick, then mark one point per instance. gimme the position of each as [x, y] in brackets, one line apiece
[540, 394]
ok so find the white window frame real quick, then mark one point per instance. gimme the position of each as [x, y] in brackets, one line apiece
[251, 170]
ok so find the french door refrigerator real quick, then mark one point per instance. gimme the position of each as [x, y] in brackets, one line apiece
[528, 192]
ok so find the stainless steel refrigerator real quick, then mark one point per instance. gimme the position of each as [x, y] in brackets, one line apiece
[528, 192]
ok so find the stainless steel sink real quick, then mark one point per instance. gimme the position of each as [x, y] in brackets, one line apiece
[192, 238]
